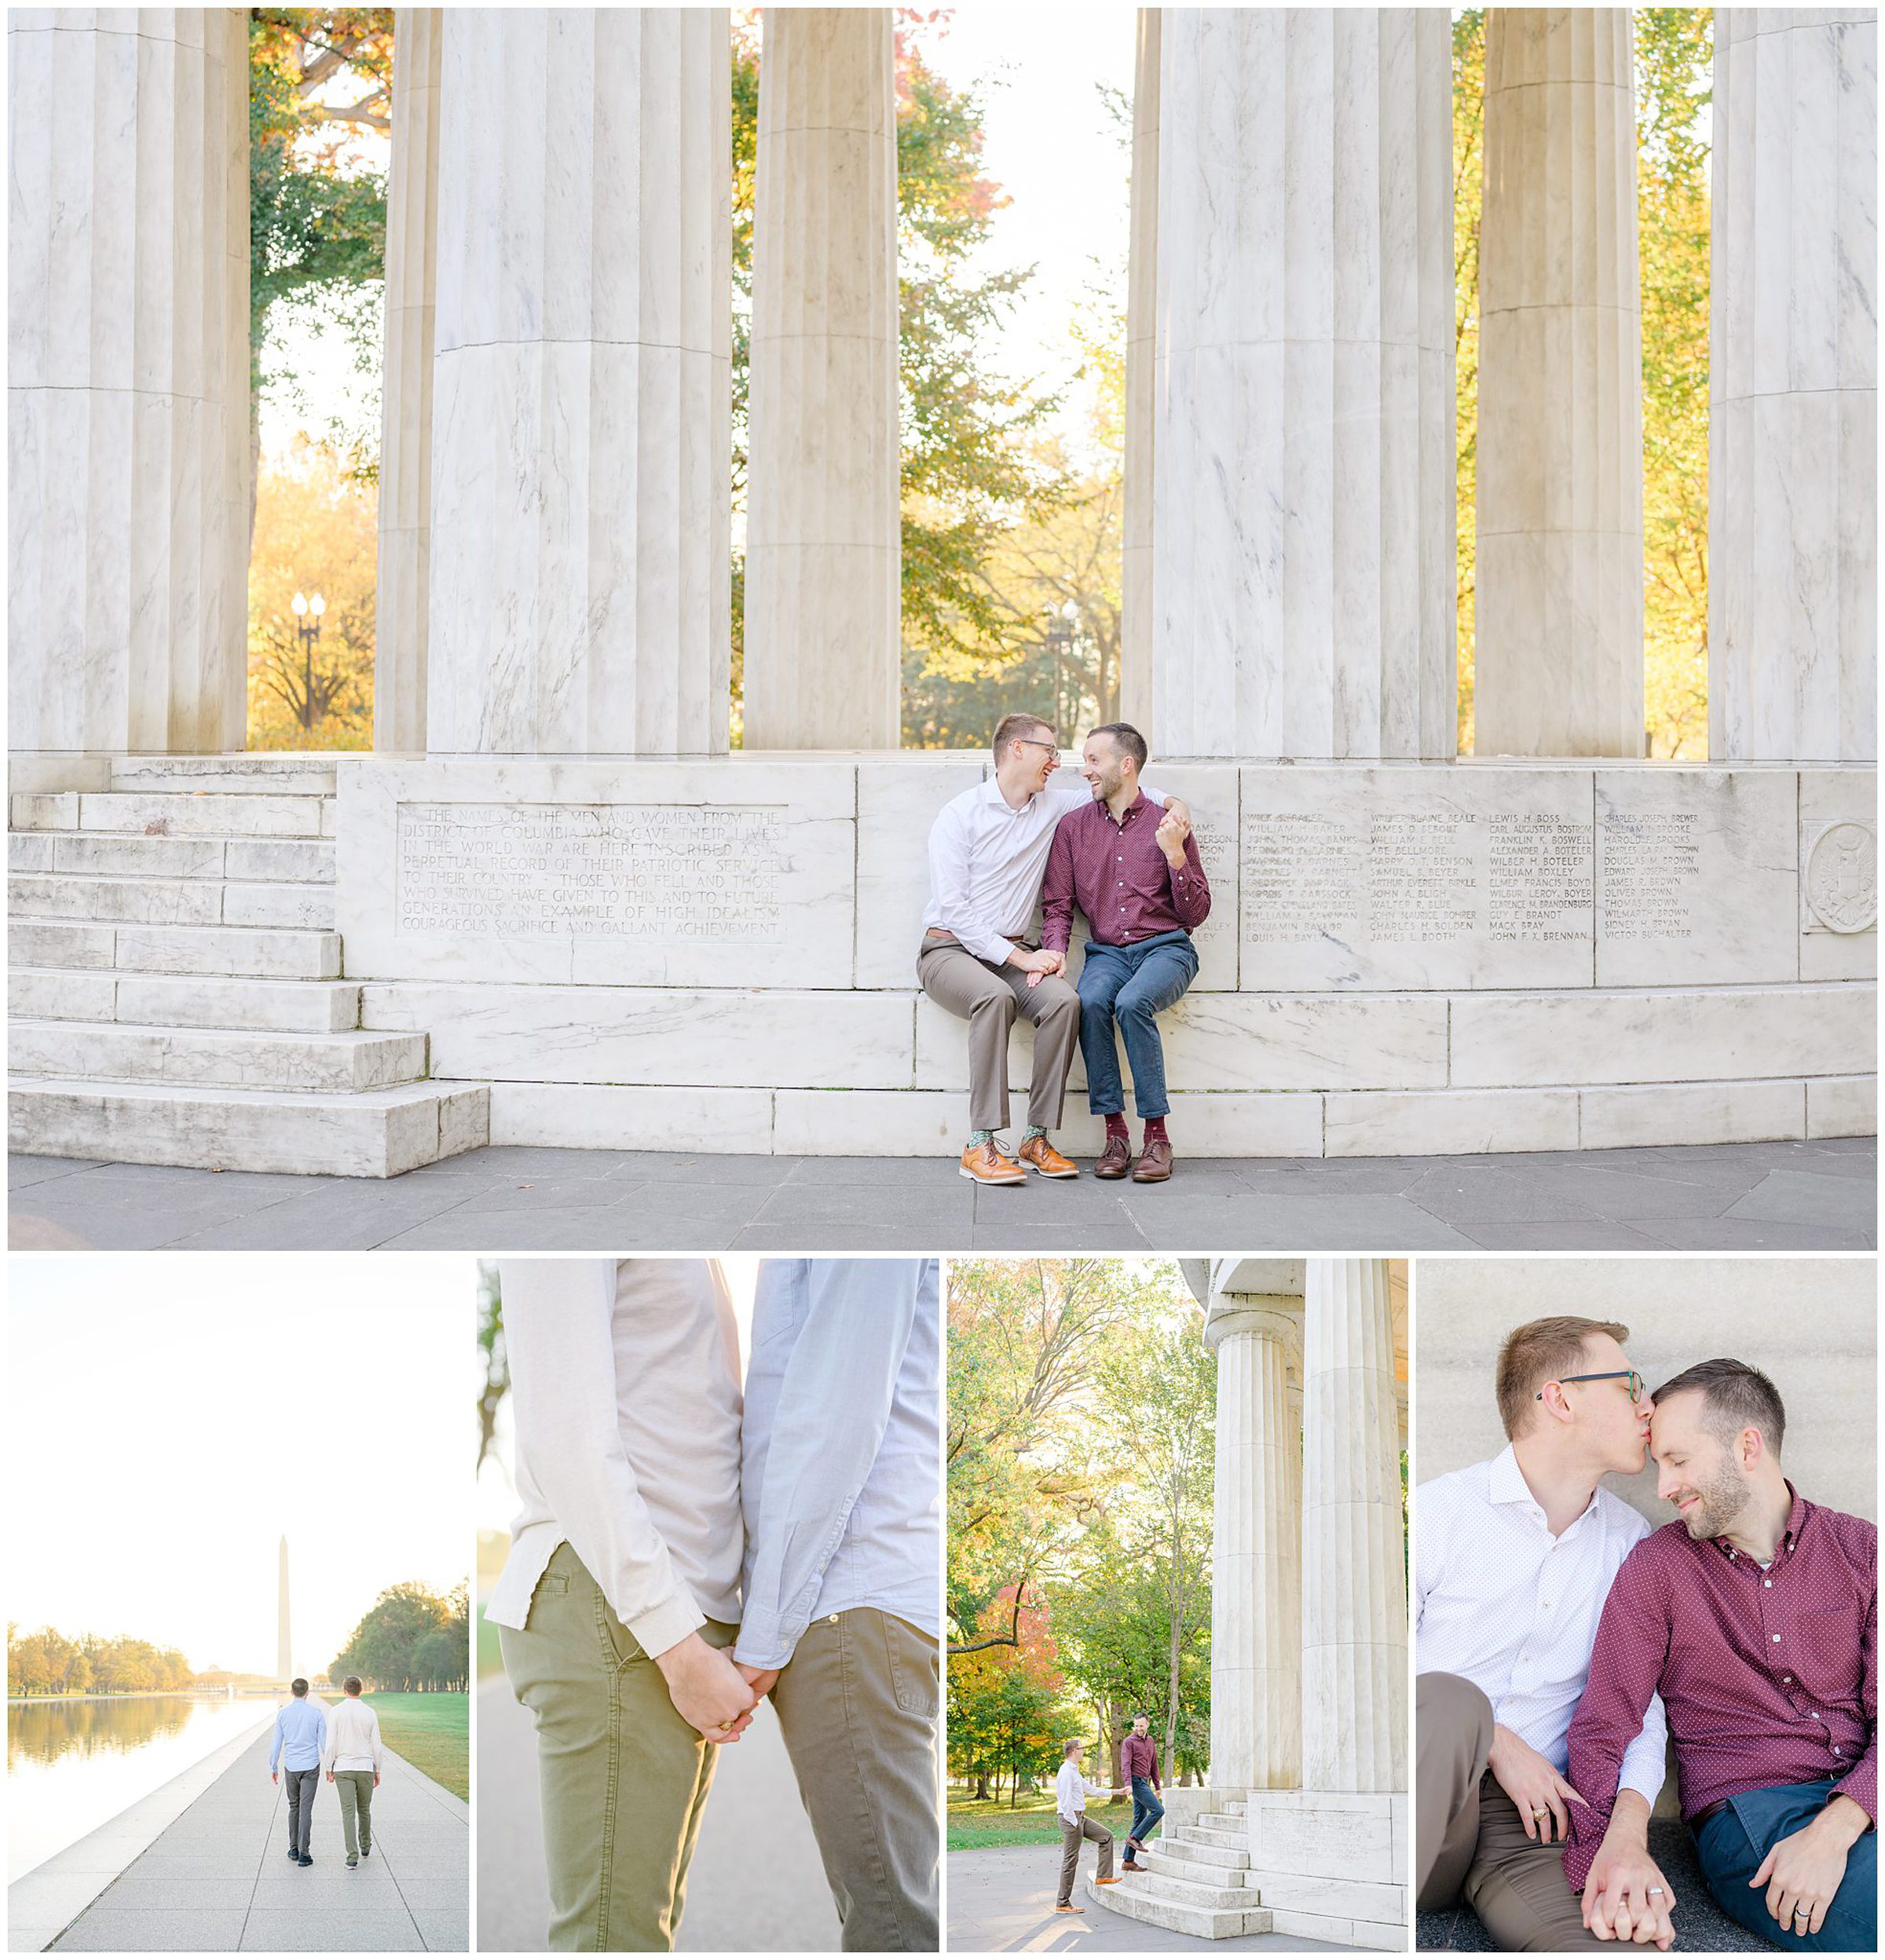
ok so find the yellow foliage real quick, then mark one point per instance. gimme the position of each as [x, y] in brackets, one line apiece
[315, 532]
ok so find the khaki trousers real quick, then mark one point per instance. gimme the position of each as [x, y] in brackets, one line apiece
[623, 1778]
[858, 1703]
[1069, 1855]
[355, 1787]
[1469, 1842]
[988, 998]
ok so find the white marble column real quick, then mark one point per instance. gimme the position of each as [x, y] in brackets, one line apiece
[1141, 359]
[1303, 466]
[580, 584]
[405, 440]
[128, 378]
[1559, 599]
[1355, 1602]
[823, 522]
[1257, 1538]
[1793, 484]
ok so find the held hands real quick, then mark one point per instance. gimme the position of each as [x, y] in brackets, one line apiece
[1803, 1872]
[1626, 1897]
[1173, 828]
[707, 1689]
[1037, 965]
[1533, 1785]
[758, 1679]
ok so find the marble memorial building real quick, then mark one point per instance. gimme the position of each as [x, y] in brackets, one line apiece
[1303, 1826]
[552, 907]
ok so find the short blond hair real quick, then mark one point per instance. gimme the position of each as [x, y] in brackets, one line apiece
[1540, 1352]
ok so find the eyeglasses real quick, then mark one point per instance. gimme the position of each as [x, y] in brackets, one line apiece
[1615, 1374]
[1030, 741]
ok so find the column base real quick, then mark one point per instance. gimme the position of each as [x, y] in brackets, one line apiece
[1332, 1864]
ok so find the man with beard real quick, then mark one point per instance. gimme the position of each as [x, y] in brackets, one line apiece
[1512, 1561]
[1755, 1616]
[1137, 876]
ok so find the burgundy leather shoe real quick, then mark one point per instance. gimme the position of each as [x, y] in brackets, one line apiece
[1154, 1165]
[1116, 1160]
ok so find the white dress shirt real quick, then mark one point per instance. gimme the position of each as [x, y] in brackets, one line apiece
[1514, 1610]
[1071, 1791]
[986, 859]
[625, 1387]
[353, 1737]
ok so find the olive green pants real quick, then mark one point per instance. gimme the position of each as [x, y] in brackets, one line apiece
[354, 1787]
[858, 1705]
[623, 1777]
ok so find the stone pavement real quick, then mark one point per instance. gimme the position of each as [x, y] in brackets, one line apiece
[1002, 1901]
[755, 1885]
[218, 1880]
[1785, 1197]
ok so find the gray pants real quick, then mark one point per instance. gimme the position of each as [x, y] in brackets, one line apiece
[988, 998]
[857, 1703]
[300, 1785]
[1069, 1855]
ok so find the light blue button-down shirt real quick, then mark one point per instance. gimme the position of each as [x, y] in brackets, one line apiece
[300, 1734]
[842, 1448]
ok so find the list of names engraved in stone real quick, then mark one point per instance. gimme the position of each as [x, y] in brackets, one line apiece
[1419, 877]
[1652, 866]
[624, 871]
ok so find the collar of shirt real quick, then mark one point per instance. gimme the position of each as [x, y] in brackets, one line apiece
[1798, 1512]
[991, 793]
[1132, 809]
[1506, 1484]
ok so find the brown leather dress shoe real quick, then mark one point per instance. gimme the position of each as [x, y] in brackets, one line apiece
[1106, 1881]
[1040, 1155]
[983, 1164]
[1116, 1159]
[1070, 1908]
[1154, 1165]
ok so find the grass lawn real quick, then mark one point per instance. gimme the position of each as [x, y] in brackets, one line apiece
[432, 1731]
[974, 1826]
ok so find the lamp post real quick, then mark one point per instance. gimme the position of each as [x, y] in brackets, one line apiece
[307, 630]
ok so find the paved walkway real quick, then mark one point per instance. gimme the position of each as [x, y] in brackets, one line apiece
[217, 1880]
[1814, 1196]
[1002, 1901]
[755, 1885]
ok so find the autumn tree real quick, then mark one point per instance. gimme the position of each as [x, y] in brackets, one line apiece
[1003, 1698]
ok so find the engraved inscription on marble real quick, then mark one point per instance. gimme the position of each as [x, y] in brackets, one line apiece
[657, 872]
[1842, 878]
[1334, 1843]
[1419, 878]
[1652, 870]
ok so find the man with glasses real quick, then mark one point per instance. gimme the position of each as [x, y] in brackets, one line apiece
[980, 957]
[1512, 1561]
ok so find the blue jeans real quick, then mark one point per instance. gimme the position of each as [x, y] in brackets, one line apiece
[1147, 1810]
[1132, 986]
[1733, 1841]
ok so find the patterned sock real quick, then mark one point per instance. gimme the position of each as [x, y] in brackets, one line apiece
[1033, 1131]
[1116, 1126]
[1154, 1130]
[976, 1138]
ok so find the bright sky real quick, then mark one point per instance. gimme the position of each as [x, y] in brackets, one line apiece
[497, 1496]
[169, 1418]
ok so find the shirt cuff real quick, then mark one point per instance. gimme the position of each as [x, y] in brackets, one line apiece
[667, 1625]
[1862, 1787]
[764, 1640]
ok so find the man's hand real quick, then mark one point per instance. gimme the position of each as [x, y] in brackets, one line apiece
[376, 1779]
[758, 1679]
[1626, 1897]
[1037, 965]
[274, 1776]
[1529, 1780]
[1802, 1872]
[329, 1776]
[1172, 830]
[707, 1689]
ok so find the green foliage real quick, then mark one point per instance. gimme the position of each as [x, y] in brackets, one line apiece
[432, 1731]
[48, 1662]
[411, 1640]
[1003, 1700]
[985, 1825]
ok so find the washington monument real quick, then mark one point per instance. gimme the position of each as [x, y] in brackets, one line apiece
[284, 1665]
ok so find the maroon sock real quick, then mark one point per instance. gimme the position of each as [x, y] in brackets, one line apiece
[1154, 1130]
[1116, 1126]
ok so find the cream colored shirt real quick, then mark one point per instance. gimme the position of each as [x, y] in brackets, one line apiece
[625, 1390]
[353, 1738]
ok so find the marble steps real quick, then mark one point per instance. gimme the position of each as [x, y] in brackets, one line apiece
[219, 952]
[368, 1133]
[128, 854]
[1225, 1819]
[227, 1058]
[169, 901]
[1211, 1893]
[184, 1000]
[1131, 1901]
[1217, 1847]
[1232, 1836]
[175, 813]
